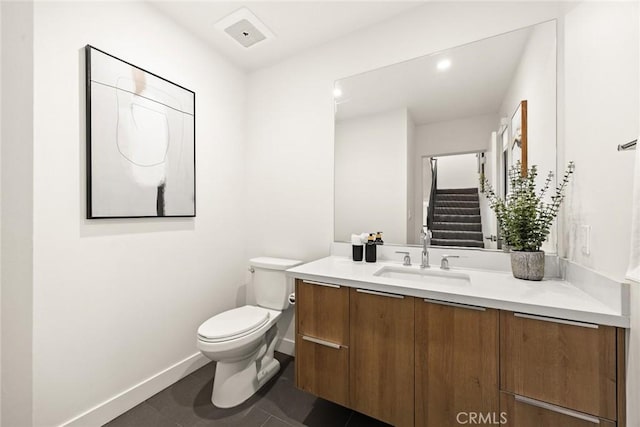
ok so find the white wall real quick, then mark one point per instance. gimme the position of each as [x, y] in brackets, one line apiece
[601, 111]
[535, 81]
[601, 86]
[633, 336]
[290, 116]
[459, 171]
[414, 211]
[371, 176]
[0, 218]
[456, 136]
[17, 212]
[426, 181]
[117, 301]
[489, 221]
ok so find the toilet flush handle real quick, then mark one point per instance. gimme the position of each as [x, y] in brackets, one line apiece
[251, 270]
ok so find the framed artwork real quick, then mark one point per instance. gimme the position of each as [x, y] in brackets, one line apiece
[140, 142]
[519, 137]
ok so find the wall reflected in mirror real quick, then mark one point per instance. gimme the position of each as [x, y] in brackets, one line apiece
[462, 107]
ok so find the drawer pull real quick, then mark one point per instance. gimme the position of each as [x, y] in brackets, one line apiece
[553, 320]
[381, 294]
[322, 342]
[557, 409]
[328, 285]
[455, 304]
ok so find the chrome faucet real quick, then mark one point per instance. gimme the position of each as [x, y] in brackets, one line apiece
[426, 240]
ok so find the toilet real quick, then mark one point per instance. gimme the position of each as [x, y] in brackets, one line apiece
[242, 340]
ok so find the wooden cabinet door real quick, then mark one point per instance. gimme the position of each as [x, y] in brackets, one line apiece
[322, 340]
[565, 363]
[456, 355]
[517, 411]
[322, 311]
[381, 366]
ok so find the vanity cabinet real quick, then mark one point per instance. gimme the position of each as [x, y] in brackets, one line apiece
[456, 355]
[322, 340]
[413, 361]
[381, 368]
[564, 363]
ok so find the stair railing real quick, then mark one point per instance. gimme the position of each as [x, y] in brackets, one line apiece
[432, 195]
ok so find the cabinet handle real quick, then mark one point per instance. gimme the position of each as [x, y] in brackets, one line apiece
[554, 320]
[322, 342]
[381, 294]
[557, 409]
[328, 285]
[455, 304]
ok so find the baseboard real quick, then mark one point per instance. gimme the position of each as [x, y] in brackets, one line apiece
[286, 346]
[122, 402]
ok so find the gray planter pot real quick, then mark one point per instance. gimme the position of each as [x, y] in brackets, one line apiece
[527, 265]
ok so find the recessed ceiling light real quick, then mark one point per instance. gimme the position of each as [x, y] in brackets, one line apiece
[337, 92]
[444, 64]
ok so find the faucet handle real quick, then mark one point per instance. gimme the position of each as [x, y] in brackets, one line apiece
[444, 263]
[407, 257]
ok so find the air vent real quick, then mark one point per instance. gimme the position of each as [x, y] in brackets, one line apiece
[245, 28]
[245, 33]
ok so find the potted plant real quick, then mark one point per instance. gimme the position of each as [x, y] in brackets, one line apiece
[525, 218]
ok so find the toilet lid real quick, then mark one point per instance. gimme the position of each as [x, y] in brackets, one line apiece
[232, 323]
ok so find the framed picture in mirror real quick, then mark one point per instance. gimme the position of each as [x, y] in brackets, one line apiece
[519, 137]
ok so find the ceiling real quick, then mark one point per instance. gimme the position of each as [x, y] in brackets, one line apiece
[297, 26]
[475, 84]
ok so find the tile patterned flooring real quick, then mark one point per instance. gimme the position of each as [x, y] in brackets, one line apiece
[277, 404]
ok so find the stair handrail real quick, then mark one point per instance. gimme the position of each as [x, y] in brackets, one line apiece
[432, 195]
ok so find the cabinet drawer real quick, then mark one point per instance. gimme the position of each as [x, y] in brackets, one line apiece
[322, 369]
[569, 364]
[520, 411]
[322, 311]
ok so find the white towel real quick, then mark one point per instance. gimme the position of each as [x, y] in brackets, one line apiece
[633, 272]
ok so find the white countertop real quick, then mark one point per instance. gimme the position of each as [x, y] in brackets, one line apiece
[492, 289]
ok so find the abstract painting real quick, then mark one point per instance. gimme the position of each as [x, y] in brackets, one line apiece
[140, 142]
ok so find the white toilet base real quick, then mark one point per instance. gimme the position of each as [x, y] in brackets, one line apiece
[235, 382]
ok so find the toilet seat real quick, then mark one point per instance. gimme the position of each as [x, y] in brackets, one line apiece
[233, 324]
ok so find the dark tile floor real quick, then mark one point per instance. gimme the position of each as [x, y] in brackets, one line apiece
[278, 403]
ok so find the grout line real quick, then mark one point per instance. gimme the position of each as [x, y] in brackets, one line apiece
[266, 421]
[349, 419]
[280, 419]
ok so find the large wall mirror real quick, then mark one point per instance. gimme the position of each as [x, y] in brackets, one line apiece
[414, 140]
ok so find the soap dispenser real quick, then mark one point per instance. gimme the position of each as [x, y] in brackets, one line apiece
[379, 240]
[370, 249]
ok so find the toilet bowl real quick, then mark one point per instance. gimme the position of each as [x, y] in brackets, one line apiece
[242, 340]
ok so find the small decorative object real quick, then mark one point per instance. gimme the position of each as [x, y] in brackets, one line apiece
[140, 142]
[525, 218]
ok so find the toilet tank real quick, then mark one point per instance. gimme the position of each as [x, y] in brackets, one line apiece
[271, 286]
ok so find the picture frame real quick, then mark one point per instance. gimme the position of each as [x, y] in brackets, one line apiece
[140, 142]
[519, 140]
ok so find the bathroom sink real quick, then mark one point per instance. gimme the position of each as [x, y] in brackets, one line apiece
[427, 275]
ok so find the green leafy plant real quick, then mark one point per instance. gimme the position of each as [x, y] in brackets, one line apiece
[524, 218]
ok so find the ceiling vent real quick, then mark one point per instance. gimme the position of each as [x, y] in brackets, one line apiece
[245, 28]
